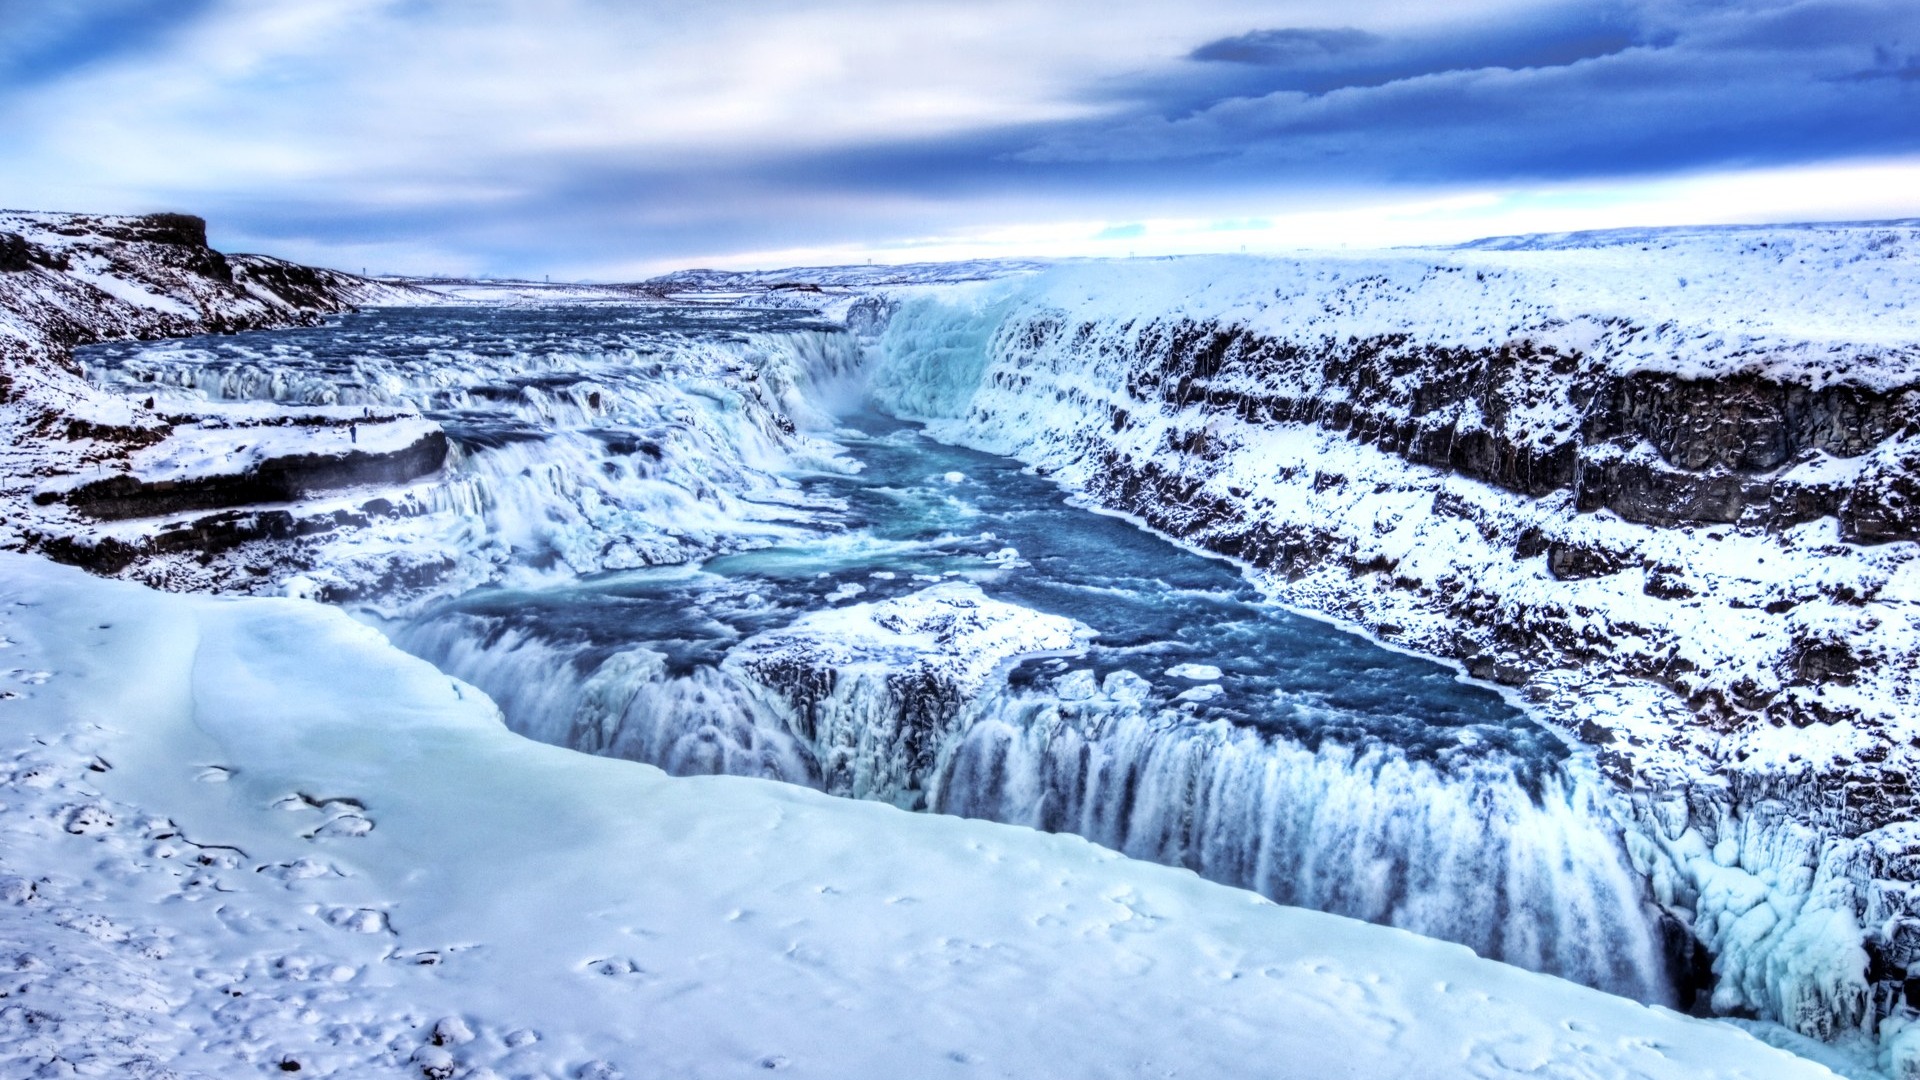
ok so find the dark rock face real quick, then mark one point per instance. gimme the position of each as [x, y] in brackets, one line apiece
[182, 230]
[282, 479]
[1884, 502]
[1746, 424]
[1445, 406]
[305, 286]
[1653, 448]
[18, 255]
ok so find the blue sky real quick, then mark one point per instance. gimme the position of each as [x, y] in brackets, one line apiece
[605, 139]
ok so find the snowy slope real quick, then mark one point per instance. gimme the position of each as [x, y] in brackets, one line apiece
[71, 278]
[868, 276]
[1624, 473]
[247, 835]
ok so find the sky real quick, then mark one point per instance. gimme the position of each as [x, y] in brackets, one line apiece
[612, 140]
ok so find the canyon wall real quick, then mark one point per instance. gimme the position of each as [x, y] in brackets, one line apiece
[1662, 483]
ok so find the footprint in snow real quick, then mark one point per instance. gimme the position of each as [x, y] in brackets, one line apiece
[615, 967]
[358, 920]
[37, 777]
[300, 800]
[89, 820]
[344, 825]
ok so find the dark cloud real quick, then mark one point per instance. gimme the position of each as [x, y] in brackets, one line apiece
[1280, 48]
[1319, 61]
[1694, 90]
[1604, 90]
[1583, 89]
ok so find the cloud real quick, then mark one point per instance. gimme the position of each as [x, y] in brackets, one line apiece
[534, 135]
[1285, 47]
[44, 41]
[1666, 90]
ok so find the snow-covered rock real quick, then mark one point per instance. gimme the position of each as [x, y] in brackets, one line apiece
[875, 690]
[75, 456]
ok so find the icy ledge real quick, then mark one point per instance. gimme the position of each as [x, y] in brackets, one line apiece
[250, 833]
[878, 690]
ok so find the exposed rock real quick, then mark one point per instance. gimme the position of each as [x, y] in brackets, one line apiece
[877, 688]
[1884, 502]
[286, 478]
[76, 457]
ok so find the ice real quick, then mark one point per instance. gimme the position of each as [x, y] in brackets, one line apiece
[577, 446]
[747, 923]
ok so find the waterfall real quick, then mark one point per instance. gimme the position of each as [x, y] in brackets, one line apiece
[1479, 849]
[1466, 853]
[579, 443]
[578, 451]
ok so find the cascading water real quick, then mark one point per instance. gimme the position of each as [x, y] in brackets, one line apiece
[1110, 684]
[583, 438]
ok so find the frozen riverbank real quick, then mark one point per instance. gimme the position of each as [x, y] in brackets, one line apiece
[1672, 516]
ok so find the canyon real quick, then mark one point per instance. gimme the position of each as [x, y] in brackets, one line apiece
[1659, 487]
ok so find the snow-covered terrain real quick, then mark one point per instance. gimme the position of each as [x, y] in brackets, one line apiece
[867, 277]
[247, 837]
[581, 438]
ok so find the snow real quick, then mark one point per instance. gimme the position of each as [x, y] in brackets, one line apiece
[866, 277]
[242, 833]
[1814, 304]
[1784, 902]
[227, 441]
[951, 631]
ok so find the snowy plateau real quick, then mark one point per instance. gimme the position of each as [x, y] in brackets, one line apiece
[1659, 489]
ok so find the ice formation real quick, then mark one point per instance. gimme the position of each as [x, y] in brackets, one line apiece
[1625, 468]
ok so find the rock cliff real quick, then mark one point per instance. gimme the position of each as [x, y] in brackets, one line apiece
[122, 485]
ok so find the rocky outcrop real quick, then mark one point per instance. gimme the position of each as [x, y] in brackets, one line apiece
[876, 691]
[287, 477]
[1654, 448]
[78, 460]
